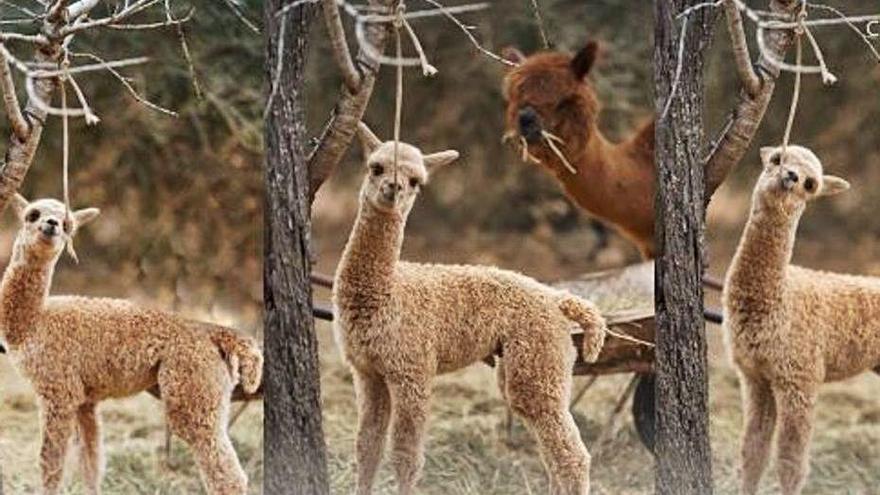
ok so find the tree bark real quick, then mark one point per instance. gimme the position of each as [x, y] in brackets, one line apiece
[20, 152]
[294, 448]
[684, 460]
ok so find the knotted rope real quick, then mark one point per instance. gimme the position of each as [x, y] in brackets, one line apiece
[800, 30]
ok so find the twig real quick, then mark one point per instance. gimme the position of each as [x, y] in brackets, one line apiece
[539, 20]
[88, 113]
[184, 47]
[153, 25]
[241, 17]
[13, 110]
[467, 31]
[851, 25]
[127, 85]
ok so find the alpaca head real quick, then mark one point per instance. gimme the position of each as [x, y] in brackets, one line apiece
[790, 179]
[548, 94]
[390, 192]
[45, 228]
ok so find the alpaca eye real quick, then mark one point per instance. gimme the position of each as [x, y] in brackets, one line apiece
[810, 184]
[67, 226]
[413, 182]
[377, 169]
[33, 216]
[776, 159]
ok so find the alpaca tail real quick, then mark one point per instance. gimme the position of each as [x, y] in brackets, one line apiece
[588, 317]
[244, 358]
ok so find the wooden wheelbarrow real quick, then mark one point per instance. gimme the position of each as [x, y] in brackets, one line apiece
[626, 298]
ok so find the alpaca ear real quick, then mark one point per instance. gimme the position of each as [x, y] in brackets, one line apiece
[437, 160]
[512, 54]
[832, 185]
[583, 61]
[19, 204]
[767, 153]
[82, 217]
[369, 141]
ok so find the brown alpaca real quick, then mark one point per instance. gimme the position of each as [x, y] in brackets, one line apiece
[399, 324]
[548, 97]
[78, 351]
[789, 329]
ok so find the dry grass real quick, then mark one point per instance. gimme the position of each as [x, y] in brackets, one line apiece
[134, 439]
[467, 452]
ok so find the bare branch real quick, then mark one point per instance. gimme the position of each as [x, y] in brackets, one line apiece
[56, 11]
[154, 25]
[349, 110]
[36, 39]
[236, 9]
[115, 18]
[851, 25]
[746, 117]
[127, 84]
[338, 42]
[10, 99]
[750, 81]
[81, 7]
[467, 31]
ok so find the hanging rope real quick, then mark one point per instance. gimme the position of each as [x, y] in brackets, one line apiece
[65, 158]
[796, 94]
[399, 22]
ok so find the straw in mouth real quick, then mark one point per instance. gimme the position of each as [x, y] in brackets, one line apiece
[549, 138]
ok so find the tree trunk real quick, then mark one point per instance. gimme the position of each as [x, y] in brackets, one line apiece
[684, 460]
[294, 449]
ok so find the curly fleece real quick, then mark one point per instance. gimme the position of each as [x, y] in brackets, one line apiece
[789, 329]
[399, 324]
[78, 351]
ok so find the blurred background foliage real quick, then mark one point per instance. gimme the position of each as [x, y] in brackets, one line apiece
[181, 198]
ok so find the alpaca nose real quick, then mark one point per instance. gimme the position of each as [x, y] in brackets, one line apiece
[50, 228]
[390, 190]
[529, 124]
[789, 179]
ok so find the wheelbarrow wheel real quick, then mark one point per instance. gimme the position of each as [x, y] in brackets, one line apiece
[643, 410]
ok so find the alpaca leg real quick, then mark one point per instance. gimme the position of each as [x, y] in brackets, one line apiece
[795, 429]
[565, 456]
[196, 397]
[374, 411]
[91, 458]
[539, 388]
[409, 404]
[759, 411]
[57, 432]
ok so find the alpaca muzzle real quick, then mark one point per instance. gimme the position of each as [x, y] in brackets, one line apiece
[529, 123]
[49, 229]
[789, 180]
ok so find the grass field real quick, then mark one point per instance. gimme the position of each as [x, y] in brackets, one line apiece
[134, 440]
[468, 453]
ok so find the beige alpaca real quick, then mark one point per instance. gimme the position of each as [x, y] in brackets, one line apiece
[78, 351]
[399, 324]
[789, 329]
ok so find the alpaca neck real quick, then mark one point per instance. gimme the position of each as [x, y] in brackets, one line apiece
[764, 253]
[371, 254]
[23, 292]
